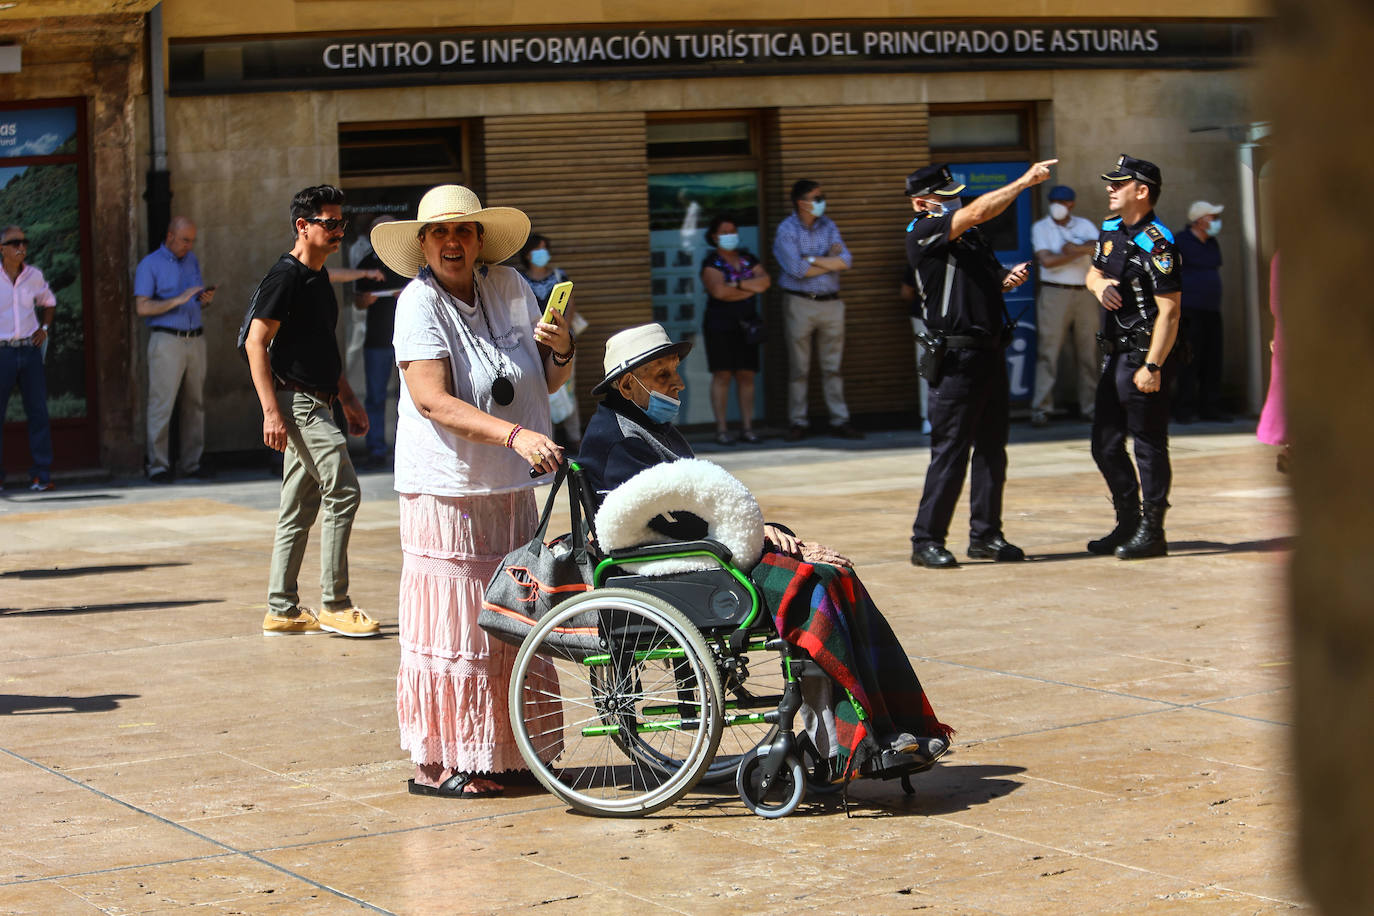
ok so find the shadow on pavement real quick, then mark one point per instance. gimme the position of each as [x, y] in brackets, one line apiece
[1176, 549]
[70, 571]
[14, 704]
[65, 497]
[102, 608]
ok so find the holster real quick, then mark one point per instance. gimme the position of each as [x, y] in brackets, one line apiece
[1136, 340]
[930, 355]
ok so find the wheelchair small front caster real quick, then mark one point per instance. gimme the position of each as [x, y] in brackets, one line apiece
[782, 796]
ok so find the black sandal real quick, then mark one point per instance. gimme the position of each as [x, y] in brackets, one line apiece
[453, 787]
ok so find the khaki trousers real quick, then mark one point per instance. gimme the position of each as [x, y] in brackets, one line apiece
[316, 471]
[1060, 312]
[825, 320]
[175, 364]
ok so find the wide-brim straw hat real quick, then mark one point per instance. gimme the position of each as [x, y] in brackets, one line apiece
[633, 347]
[504, 229]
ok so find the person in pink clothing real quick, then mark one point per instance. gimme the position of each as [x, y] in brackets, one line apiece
[477, 367]
[1273, 428]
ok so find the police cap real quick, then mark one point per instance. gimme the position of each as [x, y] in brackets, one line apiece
[933, 179]
[1138, 169]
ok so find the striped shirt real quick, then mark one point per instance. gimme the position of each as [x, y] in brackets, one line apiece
[793, 243]
[20, 301]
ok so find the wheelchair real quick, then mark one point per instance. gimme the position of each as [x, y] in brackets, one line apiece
[626, 696]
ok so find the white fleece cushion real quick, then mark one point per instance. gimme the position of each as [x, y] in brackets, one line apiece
[731, 513]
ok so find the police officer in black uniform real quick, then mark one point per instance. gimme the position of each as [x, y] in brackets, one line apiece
[1135, 275]
[959, 286]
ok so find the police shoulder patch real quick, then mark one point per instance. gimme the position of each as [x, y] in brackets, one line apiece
[1163, 259]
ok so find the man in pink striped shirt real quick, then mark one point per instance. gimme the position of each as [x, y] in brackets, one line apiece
[26, 312]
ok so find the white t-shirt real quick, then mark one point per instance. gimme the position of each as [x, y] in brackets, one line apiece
[430, 324]
[1047, 235]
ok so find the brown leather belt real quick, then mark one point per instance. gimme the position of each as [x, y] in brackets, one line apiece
[814, 297]
[326, 396]
[1061, 285]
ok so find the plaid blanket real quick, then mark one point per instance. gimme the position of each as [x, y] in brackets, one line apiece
[827, 611]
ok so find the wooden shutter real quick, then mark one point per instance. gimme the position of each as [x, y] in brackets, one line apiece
[583, 180]
[861, 155]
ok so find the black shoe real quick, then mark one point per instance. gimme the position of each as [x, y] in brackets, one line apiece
[933, 556]
[201, 473]
[845, 431]
[796, 432]
[160, 477]
[1148, 540]
[1127, 521]
[995, 549]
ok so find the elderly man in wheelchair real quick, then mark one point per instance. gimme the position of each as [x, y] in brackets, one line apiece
[656, 687]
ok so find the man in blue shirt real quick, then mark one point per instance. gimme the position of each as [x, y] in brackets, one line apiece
[169, 292]
[811, 256]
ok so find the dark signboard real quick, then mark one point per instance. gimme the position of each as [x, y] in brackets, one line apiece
[486, 56]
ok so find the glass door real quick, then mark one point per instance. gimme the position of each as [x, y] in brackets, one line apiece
[43, 189]
[700, 166]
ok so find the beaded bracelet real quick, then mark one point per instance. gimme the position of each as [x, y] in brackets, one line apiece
[514, 431]
[560, 360]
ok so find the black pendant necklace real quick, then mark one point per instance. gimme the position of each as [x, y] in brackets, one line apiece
[502, 388]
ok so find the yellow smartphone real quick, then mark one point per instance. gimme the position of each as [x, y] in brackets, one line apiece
[558, 300]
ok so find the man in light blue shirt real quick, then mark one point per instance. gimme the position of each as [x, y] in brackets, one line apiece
[169, 292]
[811, 256]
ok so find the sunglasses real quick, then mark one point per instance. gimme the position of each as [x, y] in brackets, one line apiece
[1119, 184]
[16, 243]
[330, 225]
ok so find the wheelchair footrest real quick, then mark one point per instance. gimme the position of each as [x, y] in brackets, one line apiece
[891, 764]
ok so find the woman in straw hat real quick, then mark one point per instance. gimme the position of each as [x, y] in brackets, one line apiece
[477, 366]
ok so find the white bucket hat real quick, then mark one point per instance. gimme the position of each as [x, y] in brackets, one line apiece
[634, 347]
[504, 229]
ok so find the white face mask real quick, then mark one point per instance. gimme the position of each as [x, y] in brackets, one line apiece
[1058, 212]
[728, 241]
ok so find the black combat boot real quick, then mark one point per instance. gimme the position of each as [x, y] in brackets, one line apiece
[1148, 540]
[1127, 521]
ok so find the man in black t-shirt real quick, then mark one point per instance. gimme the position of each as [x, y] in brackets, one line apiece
[297, 373]
[1134, 275]
[959, 286]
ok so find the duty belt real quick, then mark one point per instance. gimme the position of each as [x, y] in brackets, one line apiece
[1136, 340]
[970, 342]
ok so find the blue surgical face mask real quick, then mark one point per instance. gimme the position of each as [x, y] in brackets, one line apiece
[728, 241]
[1214, 227]
[818, 208]
[661, 409]
[539, 257]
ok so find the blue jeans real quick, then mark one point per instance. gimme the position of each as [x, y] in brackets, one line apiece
[25, 366]
[378, 363]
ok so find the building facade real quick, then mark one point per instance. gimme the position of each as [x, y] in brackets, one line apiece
[621, 136]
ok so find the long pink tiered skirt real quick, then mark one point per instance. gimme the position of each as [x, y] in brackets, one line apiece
[453, 681]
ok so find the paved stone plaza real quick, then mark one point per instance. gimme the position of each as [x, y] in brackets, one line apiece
[1122, 747]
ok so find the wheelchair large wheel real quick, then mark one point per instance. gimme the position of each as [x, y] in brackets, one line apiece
[635, 681]
[748, 694]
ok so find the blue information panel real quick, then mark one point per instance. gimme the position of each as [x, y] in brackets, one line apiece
[1010, 235]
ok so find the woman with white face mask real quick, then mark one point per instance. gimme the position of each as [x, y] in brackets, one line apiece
[732, 327]
[536, 266]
